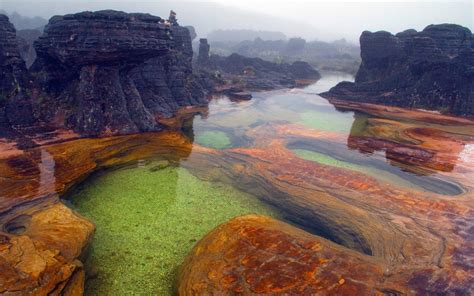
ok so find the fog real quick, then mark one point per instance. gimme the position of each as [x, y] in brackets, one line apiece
[313, 20]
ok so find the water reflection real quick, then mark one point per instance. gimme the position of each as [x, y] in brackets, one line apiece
[372, 145]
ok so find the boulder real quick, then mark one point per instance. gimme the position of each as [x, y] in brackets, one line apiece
[258, 255]
[432, 69]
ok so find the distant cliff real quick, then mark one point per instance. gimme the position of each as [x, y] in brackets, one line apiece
[254, 73]
[432, 69]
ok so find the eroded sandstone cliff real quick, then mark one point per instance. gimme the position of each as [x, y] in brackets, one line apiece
[432, 69]
[13, 80]
[110, 72]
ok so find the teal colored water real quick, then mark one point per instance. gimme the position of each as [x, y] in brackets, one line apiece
[213, 139]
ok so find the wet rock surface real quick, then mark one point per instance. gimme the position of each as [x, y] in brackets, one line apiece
[42, 259]
[258, 255]
[397, 239]
[431, 69]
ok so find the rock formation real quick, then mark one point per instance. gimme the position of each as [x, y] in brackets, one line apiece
[110, 72]
[26, 38]
[257, 74]
[389, 240]
[204, 47]
[14, 108]
[432, 69]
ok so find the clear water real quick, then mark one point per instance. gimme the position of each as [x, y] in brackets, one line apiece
[149, 216]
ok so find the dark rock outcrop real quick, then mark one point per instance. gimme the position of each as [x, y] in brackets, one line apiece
[203, 56]
[258, 74]
[432, 69]
[14, 108]
[192, 32]
[110, 72]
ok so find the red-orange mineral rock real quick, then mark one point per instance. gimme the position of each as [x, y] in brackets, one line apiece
[258, 255]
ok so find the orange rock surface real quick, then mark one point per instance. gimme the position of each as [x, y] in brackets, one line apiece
[386, 239]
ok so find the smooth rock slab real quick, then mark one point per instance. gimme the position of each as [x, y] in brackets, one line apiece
[256, 254]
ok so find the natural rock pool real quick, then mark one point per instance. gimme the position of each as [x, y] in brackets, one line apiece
[150, 213]
[147, 220]
[389, 190]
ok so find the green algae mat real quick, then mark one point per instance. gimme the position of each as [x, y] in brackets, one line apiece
[148, 218]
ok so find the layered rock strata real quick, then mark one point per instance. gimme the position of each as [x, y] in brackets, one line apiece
[432, 69]
[399, 241]
[14, 108]
[110, 72]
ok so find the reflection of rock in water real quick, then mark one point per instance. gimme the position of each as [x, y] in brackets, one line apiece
[47, 179]
[402, 144]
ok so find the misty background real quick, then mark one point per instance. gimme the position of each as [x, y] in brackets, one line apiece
[312, 20]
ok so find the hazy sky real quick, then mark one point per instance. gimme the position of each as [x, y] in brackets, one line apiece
[324, 20]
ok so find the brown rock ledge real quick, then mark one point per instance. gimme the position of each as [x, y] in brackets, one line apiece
[259, 255]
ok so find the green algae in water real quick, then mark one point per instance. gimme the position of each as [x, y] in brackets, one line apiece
[213, 139]
[381, 175]
[147, 222]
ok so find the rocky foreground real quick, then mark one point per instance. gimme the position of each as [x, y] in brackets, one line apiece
[386, 240]
[432, 69]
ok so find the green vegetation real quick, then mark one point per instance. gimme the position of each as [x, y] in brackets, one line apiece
[148, 219]
[381, 175]
[213, 139]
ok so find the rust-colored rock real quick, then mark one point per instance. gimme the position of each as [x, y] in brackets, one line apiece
[259, 255]
[39, 254]
[389, 239]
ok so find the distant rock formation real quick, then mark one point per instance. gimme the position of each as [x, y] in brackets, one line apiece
[26, 38]
[238, 35]
[257, 74]
[203, 57]
[110, 72]
[240, 74]
[432, 69]
[22, 22]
